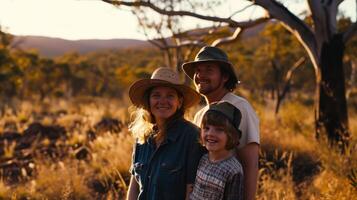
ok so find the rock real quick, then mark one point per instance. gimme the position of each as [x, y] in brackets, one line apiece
[10, 126]
[54, 132]
[13, 171]
[83, 153]
[8, 139]
[108, 124]
[99, 186]
[10, 136]
[91, 136]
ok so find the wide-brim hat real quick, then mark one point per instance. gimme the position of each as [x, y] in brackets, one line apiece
[210, 54]
[162, 76]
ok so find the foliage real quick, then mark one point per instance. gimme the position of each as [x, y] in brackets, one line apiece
[26, 74]
[254, 54]
[9, 72]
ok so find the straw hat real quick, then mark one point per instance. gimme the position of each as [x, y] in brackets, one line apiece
[210, 54]
[162, 76]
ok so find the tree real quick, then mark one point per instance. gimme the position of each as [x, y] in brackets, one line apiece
[156, 31]
[350, 59]
[166, 32]
[285, 56]
[8, 71]
[321, 40]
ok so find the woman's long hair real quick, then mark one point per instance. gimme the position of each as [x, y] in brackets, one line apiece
[143, 122]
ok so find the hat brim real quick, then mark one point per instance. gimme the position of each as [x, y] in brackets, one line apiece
[138, 89]
[189, 67]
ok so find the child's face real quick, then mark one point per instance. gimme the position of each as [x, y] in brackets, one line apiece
[214, 138]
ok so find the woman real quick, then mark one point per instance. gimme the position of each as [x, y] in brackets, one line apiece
[167, 151]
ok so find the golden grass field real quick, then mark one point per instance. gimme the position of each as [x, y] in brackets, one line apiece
[293, 165]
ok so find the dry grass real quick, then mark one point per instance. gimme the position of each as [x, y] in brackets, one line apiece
[292, 133]
[69, 178]
[328, 185]
[293, 165]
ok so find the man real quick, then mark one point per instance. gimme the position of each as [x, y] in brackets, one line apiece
[215, 78]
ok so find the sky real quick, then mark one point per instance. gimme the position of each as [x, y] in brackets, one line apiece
[94, 19]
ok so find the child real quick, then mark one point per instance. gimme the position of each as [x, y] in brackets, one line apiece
[219, 174]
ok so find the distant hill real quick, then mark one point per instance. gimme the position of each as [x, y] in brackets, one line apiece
[51, 47]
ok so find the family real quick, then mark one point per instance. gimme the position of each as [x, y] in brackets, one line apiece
[215, 157]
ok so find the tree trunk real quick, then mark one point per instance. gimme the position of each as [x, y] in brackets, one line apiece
[332, 116]
[281, 97]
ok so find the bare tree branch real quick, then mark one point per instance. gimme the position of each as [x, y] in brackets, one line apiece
[296, 26]
[229, 39]
[296, 65]
[198, 34]
[238, 31]
[241, 10]
[287, 82]
[251, 23]
[185, 43]
[351, 31]
[150, 5]
[153, 42]
[191, 43]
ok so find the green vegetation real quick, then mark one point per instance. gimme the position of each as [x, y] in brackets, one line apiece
[77, 106]
[24, 74]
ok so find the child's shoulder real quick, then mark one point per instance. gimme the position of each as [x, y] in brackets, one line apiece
[234, 165]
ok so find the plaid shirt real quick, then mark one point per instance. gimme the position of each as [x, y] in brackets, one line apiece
[221, 180]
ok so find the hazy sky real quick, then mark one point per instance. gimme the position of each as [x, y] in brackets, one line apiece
[87, 19]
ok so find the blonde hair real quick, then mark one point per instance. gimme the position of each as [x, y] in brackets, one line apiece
[140, 126]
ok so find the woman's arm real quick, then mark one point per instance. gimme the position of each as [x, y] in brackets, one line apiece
[133, 190]
[189, 189]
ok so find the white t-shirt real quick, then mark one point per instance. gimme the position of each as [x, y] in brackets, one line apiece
[249, 124]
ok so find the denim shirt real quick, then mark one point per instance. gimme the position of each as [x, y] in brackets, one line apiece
[163, 172]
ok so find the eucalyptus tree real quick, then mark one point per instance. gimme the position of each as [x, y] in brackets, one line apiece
[323, 42]
[168, 34]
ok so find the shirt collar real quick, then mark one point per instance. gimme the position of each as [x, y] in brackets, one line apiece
[228, 97]
[173, 131]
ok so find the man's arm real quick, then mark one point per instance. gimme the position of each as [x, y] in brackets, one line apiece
[248, 156]
[133, 190]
